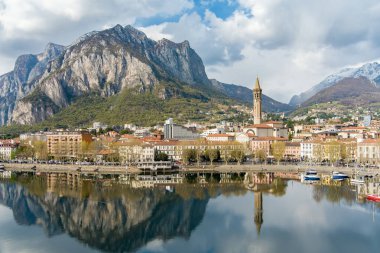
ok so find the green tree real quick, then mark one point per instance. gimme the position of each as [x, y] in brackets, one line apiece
[188, 155]
[332, 150]
[40, 148]
[278, 150]
[24, 152]
[161, 156]
[212, 155]
[261, 155]
[238, 155]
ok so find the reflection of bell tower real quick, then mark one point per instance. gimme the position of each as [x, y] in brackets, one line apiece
[257, 102]
[258, 211]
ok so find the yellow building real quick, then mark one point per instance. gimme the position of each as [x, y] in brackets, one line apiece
[66, 144]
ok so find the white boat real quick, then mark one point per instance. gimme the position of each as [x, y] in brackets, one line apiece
[339, 176]
[310, 175]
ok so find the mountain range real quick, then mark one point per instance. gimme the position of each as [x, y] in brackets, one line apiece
[370, 71]
[349, 91]
[118, 64]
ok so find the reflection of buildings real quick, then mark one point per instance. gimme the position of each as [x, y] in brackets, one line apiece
[142, 181]
[258, 181]
[69, 181]
[371, 186]
[258, 211]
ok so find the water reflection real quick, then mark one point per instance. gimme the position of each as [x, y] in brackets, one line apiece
[194, 214]
[115, 220]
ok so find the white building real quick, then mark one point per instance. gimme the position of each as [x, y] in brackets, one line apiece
[307, 149]
[143, 132]
[177, 132]
[218, 130]
[136, 152]
[6, 150]
[244, 138]
[368, 151]
[220, 137]
[267, 129]
[99, 125]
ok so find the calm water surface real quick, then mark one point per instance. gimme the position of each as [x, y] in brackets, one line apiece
[40, 214]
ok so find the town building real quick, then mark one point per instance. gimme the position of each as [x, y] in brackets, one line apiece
[6, 149]
[259, 128]
[220, 137]
[136, 152]
[244, 138]
[218, 130]
[368, 151]
[265, 143]
[292, 150]
[66, 144]
[257, 92]
[177, 132]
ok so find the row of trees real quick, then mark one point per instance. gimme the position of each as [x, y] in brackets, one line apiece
[212, 155]
[334, 151]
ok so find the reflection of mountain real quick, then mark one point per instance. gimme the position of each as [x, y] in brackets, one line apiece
[120, 224]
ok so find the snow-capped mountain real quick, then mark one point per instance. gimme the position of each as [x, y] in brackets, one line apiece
[369, 70]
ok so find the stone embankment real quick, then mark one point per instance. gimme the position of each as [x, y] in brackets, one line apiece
[102, 169]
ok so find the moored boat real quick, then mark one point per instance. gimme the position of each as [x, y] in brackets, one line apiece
[310, 175]
[373, 197]
[339, 176]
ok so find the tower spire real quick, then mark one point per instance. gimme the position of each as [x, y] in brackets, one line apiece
[257, 91]
[257, 84]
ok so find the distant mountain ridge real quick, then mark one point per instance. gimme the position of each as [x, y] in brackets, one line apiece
[349, 91]
[371, 71]
[245, 94]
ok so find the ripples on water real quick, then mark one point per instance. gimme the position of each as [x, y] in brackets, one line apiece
[208, 213]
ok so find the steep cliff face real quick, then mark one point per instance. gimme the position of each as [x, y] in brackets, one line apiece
[121, 224]
[106, 62]
[22, 80]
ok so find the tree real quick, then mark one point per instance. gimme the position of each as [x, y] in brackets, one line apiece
[317, 152]
[87, 151]
[188, 155]
[261, 155]
[238, 155]
[278, 150]
[126, 131]
[24, 152]
[40, 148]
[212, 155]
[332, 150]
[161, 156]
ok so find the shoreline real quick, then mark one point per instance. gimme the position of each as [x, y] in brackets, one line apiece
[120, 170]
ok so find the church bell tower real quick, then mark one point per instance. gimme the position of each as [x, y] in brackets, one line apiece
[257, 91]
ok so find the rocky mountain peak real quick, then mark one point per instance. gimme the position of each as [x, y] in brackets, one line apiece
[52, 50]
[23, 66]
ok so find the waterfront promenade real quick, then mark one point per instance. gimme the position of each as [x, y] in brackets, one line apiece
[119, 170]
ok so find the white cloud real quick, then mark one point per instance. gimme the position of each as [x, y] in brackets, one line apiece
[26, 26]
[291, 44]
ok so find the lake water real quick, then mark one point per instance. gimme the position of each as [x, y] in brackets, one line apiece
[69, 214]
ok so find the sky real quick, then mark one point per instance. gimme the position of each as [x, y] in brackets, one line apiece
[290, 44]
